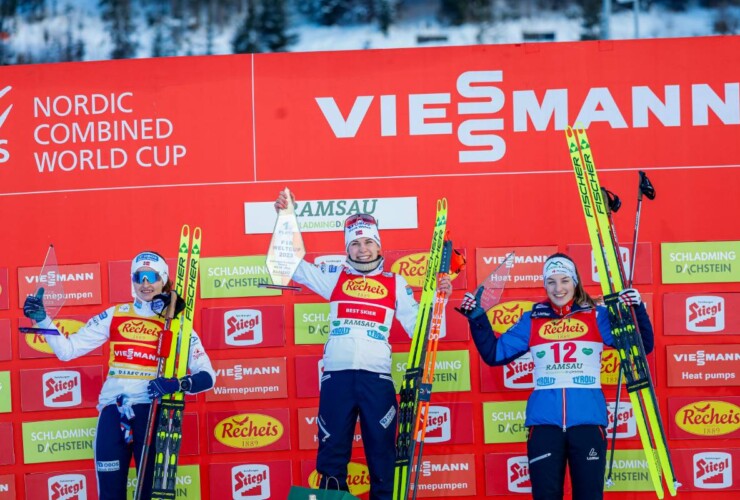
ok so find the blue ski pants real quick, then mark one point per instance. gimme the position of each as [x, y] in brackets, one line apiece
[113, 454]
[582, 447]
[344, 396]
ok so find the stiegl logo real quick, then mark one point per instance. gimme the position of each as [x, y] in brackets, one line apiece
[712, 470]
[517, 474]
[624, 419]
[4, 153]
[519, 374]
[439, 428]
[67, 487]
[705, 314]
[250, 482]
[243, 327]
[61, 389]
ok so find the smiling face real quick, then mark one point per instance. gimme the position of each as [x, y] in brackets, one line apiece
[146, 290]
[560, 289]
[363, 250]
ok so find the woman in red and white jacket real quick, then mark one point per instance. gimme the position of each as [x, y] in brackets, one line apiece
[566, 413]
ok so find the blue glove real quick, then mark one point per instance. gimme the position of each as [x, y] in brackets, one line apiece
[470, 306]
[161, 386]
[33, 307]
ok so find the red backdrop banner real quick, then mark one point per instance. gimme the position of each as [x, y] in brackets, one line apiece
[108, 159]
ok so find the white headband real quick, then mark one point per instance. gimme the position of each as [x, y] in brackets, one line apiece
[559, 265]
[152, 260]
[361, 229]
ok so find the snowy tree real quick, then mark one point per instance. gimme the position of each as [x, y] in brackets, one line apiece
[119, 17]
[7, 11]
[591, 19]
[265, 28]
[273, 26]
[246, 40]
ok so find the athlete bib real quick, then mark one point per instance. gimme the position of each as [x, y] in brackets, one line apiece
[133, 344]
[363, 306]
[566, 352]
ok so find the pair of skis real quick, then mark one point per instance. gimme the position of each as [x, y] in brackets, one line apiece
[173, 363]
[628, 341]
[416, 386]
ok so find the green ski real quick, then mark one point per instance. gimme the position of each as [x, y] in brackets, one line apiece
[626, 335]
[411, 385]
[169, 430]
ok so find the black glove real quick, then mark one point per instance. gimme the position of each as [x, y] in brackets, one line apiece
[470, 305]
[161, 302]
[33, 307]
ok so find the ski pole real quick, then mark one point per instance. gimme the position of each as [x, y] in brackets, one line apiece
[149, 434]
[644, 187]
[613, 204]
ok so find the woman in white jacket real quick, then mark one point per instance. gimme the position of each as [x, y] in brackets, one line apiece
[132, 331]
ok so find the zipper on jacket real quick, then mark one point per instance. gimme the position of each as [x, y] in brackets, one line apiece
[563, 389]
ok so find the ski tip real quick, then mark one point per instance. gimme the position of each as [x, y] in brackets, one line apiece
[196, 233]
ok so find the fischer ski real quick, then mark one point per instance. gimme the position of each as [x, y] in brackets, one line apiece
[628, 341]
[174, 363]
[413, 388]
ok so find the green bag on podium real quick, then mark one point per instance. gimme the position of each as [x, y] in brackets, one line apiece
[301, 493]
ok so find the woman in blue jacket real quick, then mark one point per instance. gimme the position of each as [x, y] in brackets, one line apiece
[566, 413]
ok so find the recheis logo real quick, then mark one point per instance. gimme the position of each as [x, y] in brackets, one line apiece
[412, 267]
[67, 487]
[709, 418]
[568, 328]
[243, 327]
[250, 482]
[519, 374]
[365, 288]
[141, 330]
[712, 470]
[67, 327]
[624, 419]
[517, 474]
[248, 431]
[358, 478]
[705, 314]
[609, 367]
[505, 314]
[4, 153]
[61, 389]
[439, 428]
